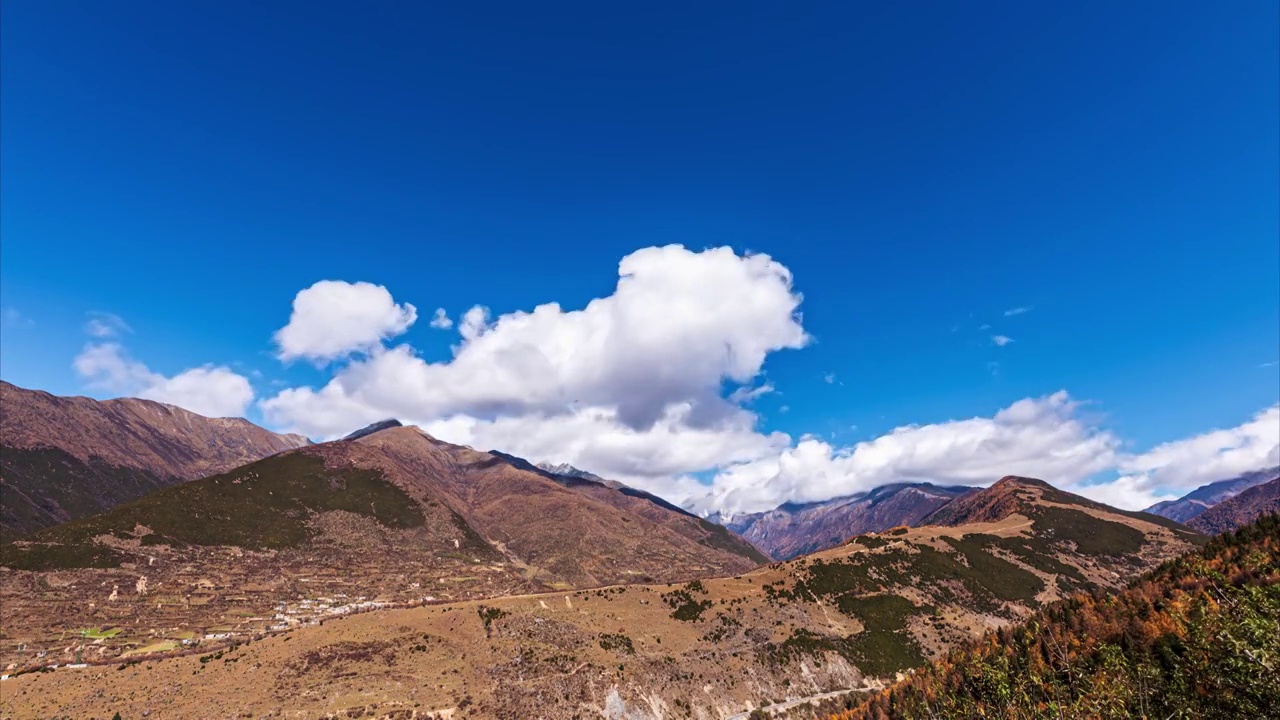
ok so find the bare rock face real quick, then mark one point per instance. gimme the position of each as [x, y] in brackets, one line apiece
[63, 458]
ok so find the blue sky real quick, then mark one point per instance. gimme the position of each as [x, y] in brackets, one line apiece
[918, 169]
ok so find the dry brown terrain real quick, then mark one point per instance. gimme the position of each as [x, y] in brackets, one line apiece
[708, 649]
[389, 519]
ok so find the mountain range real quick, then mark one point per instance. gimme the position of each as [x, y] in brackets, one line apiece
[391, 574]
[1204, 497]
[794, 529]
[838, 620]
[1240, 510]
[390, 517]
[64, 458]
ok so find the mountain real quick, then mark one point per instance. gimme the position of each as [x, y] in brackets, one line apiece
[393, 517]
[1242, 509]
[566, 470]
[373, 428]
[63, 458]
[1039, 500]
[844, 618]
[1198, 637]
[794, 529]
[1206, 496]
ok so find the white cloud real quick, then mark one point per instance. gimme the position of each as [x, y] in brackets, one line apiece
[103, 325]
[651, 385]
[1017, 311]
[747, 394]
[215, 391]
[984, 327]
[1039, 437]
[333, 319]
[1001, 340]
[679, 326]
[1127, 492]
[440, 320]
[1183, 465]
[829, 378]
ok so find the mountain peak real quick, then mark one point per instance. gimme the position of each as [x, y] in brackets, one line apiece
[374, 427]
[567, 470]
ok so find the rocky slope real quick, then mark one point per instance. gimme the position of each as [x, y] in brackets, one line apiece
[794, 529]
[1240, 510]
[63, 458]
[392, 517]
[1206, 496]
[717, 648]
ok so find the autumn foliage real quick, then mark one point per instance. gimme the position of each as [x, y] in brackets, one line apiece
[1199, 637]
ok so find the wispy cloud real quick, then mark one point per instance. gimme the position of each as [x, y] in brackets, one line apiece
[1001, 340]
[984, 326]
[746, 393]
[104, 325]
[14, 319]
[1273, 363]
[829, 378]
[1018, 311]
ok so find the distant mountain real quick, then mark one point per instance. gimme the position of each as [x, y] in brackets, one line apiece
[394, 516]
[794, 529]
[569, 471]
[1240, 510]
[1206, 496]
[846, 618]
[63, 458]
[1177, 642]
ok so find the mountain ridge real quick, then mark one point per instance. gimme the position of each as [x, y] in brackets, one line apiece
[1240, 509]
[794, 529]
[1204, 497]
[68, 457]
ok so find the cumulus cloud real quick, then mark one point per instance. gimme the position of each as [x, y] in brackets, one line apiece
[440, 320]
[679, 326]
[1040, 437]
[104, 325]
[1177, 467]
[215, 391]
[333, 319]
[653, 384]
[1001, 340]
[1016, 311]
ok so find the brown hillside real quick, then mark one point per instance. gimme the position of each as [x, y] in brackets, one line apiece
[842, 618]
[63, 458]
[392, 518]
[1240, 510]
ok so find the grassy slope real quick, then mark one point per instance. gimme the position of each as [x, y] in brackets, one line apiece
[265, 504]
[1198, 637]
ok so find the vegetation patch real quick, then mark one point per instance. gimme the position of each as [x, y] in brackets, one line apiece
[488, 615]
[997, 576]
[1091, 535]
[617, 642]
[263, 505]
[683, 605]
[884, 646]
